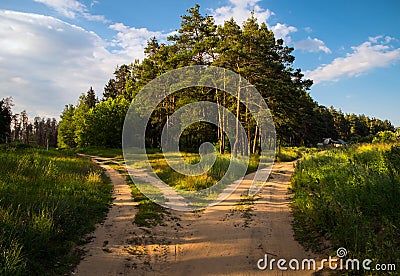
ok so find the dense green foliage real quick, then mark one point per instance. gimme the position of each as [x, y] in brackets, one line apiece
[250, 50]
[5, 120]
[93, 123]
[386, 137]
[48, 201]
[350, 196]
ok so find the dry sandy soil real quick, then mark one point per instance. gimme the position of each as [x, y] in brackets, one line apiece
[226, 239]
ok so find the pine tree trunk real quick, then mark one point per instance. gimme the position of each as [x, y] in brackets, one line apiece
[237, 138]
[255, 140]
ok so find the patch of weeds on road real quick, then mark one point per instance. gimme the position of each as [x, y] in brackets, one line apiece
[245, 207]
[137, 250]
[212, 174]
[136, 240]
[101, 151]
[149, 213]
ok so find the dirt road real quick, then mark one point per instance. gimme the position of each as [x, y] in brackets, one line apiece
[105, 254]
[227, 239]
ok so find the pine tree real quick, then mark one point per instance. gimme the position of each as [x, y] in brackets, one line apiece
[5, 120]
[196, 39]
[110, 91]
[91, 98]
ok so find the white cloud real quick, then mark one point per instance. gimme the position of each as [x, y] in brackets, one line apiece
[386, 39]
[374, 53]
[240, 10]
[72, 8]
[46, 63]
[309, 44]
[308, 29]
[375, 39]
[312, 45]
[68, 8]
[283, 31]
[94, 17]
[19, 80]
[132, 41]
[93, 3]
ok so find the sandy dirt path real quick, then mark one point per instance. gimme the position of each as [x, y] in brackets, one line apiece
[106, 253]
[227, 239]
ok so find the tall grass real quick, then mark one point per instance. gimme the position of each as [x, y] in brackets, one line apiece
[200, 182]
[350, 197]
[48, 201]
[287, 154]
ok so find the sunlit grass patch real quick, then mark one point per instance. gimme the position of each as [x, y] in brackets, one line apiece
[48, 201]
[347, 196]
[287, 154]
[210, 177]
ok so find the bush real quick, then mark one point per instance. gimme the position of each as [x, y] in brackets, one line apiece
[385, 137]
[393, 158]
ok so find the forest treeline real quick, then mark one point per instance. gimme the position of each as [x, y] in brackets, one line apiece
[17, 128]
[250, 50]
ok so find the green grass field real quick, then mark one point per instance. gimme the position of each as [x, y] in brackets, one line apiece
[48, 201]
[350, 197]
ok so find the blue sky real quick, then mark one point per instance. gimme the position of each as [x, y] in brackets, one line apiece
[53, 50]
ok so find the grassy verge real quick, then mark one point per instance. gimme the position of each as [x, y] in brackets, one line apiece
[349, 197]
[288, 154]
[48, 201]
[103, 152]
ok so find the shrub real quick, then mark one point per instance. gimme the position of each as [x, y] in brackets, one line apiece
[385, 137]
